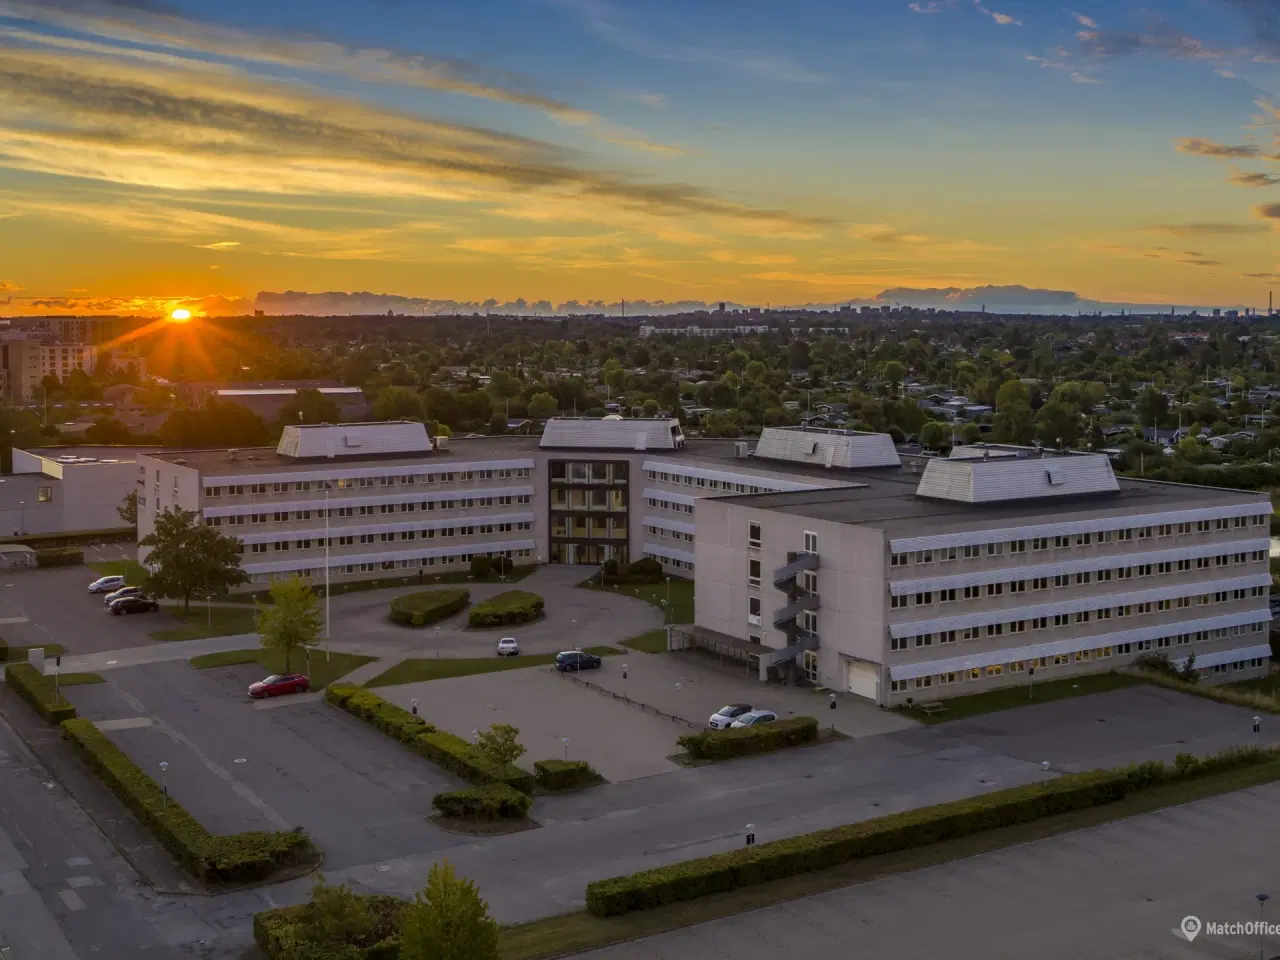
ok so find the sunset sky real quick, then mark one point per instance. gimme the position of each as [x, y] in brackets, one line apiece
[155, 153]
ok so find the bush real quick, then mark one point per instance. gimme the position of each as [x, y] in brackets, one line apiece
[1187, 766]
[644, 570]
[428, 607]
[511, 607]
[453, 753]
[38, 690]
[59, 557]
[290, 933]
[565, 774]
[744, 741]
[237, 858]
[747, 866]
[1160, 663]
[480, 567]
[494, 801]
[501, 566]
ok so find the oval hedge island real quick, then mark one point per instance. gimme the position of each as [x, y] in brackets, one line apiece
[505, 609]
[428, 606]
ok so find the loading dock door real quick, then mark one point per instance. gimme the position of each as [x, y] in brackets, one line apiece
[864, 680]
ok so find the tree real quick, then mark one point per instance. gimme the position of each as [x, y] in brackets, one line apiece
[1015, 420]
[480, 567]
[935, 435]
[108, 431]
[1058, 424]
[314, 406]
[651, 408]
[448, 920]
[187, 557]
[399, 403]
[500, 744]
[293, 620]
[895, 373]
[128, 508]
[337, 918]
[542, 406]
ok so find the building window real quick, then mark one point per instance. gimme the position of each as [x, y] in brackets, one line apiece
[44, 494]
[753, 534]
[753, 610]
[897, 643]
[810, 542]
[753, 572]
[898, 602]
[897, 686]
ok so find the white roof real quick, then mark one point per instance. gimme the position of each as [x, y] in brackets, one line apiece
[849, 449]
[612, 434]
[354, 439]
[998, 479]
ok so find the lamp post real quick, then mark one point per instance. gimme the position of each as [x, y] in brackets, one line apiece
[565, 741]
[164, 782]
[668, 589]
[1262, 899]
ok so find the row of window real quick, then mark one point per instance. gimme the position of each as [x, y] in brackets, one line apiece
[725, 486]
[668, 562]
[307, 543]
[666, 534]
[390, 480]
[669, 505]
[926, 598]
[1062, 542]
[308, 573]
[1062, 659]
[613, 471]
[369, 510]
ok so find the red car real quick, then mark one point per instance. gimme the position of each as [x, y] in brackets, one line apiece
[278, 684]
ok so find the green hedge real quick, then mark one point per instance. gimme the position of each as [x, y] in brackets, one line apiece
[237, 858]
[565, 774]
[1187, 766]
[428, 607]
[451, 752]
[747, 866]
[505, 609]
[59, 557]
[286, 933]
[494, 801]
[38, 690]
[745, 741]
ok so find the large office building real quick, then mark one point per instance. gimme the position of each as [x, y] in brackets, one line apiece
[818, 554]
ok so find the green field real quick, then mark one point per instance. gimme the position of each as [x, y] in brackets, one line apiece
[415, 671]
[321, 672]
[1269, 685]
[132, 571]
[1020, 696]
[655, 641]
[207, 622]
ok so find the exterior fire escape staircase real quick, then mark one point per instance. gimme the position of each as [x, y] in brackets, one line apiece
[787, 579]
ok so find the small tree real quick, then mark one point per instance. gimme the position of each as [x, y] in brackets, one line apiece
[338, 918]
[292, 621]
[128, 508]
[448, 920]
[542, 406]
[187, 557]
[480, 567]
[935, 435]
[500, 744]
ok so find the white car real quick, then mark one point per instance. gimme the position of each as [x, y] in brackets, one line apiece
[723, 718]
[508, 647]
[753, 717]
[106, 585]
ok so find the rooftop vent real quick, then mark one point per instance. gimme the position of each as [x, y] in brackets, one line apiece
[232, 453]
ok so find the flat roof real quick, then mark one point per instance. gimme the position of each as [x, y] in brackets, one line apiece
[886, 499]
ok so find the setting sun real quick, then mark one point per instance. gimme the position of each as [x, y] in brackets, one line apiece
[181, 315]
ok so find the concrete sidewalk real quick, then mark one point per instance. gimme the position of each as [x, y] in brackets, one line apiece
[158, 652]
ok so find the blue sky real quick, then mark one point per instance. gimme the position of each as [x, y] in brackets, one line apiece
[154, 152]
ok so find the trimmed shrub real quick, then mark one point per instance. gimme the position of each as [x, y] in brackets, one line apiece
[237, 858]
[453, 753]
[59, 556]
[747, 866]
[494, 801]
[480, 567]
[745, 741]
[565, 774]
[505, 609]
[38, 690]
[644, 570]
[428, 607]
[286, 933]
[1187, 766]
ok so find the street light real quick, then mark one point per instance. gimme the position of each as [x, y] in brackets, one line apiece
[164, 782]
[1262, 899]
[565, 741]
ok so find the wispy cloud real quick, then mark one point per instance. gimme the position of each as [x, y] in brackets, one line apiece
[930, 6]
[1268, 277]
[892, 238]
[610, 23]
[1001, 18]
[1155, 35]
[219, 245]
[1075, 73]
[1211, 148]
[654, 101]
[1087, 22]
[1245, 178]
[1190, 258]
[1208, 229]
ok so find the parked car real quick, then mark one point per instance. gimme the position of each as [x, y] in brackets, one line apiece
[753, 717]
[724, 717]
[577, 660]
[277, 684]
[106, 584]
[508, 647]
[121, 594]
[139, 603]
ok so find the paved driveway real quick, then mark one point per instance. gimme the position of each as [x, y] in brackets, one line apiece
[621, 742]
[360, 795]
[1113, 891]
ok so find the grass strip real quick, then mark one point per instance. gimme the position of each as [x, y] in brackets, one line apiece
[202, 622]
[446, 668]
[1009, 698]
[321, 670]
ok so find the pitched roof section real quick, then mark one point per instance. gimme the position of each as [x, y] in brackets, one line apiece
[847, 449]
[392, 438]
[588, 433]
[1000, 479]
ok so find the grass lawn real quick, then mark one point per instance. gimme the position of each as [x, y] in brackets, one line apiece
[1010, 697]
[517, 574]
[1269, 685]
[574, 932]
[207, 622]
[655, 641]
[18, 654]
[132, 571]
[414, 671]
[77, 679]
[322, 671]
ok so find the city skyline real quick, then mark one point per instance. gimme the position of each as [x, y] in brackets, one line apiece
[155, 155]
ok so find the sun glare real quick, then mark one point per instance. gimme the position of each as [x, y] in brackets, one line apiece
[181, 315]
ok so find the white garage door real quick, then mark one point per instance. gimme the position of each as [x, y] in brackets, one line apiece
[864, 680]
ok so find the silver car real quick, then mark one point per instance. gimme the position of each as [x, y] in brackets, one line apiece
[753, 717]
[723, 718]
[508, 647]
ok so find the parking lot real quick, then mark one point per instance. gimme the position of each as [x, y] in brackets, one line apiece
[361, 796]
[54, 605]
[620, 741]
